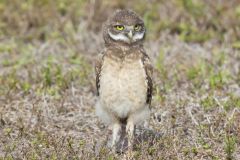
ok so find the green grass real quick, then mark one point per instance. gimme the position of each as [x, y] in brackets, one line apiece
[230, 146]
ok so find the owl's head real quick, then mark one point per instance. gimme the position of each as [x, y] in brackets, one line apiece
[124, 27]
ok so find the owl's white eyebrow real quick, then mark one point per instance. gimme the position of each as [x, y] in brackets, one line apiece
[129, 27]
[117, 24]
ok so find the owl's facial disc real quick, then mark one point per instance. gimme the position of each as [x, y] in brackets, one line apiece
[127, 34]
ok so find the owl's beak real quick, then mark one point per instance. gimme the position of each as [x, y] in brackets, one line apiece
[130, 35]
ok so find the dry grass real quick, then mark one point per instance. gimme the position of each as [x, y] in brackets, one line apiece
[47, 91]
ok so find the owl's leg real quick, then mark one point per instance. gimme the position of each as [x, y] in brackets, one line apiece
[116, 129]
[130, 133]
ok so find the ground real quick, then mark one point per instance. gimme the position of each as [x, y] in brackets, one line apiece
[47, 81]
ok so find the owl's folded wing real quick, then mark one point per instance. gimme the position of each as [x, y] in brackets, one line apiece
[98, 68]
[148, 70]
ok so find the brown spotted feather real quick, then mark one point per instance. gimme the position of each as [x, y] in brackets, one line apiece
[148, 70]
[98, 67]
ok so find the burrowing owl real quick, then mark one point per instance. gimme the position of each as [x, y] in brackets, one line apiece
[123, 75]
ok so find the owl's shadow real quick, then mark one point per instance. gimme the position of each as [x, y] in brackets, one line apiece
[141, 136]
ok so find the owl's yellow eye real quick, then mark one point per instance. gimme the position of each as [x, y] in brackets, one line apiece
[119, 27]
[137, 27]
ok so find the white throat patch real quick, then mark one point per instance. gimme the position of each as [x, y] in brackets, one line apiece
[119, 37]
[138, 36]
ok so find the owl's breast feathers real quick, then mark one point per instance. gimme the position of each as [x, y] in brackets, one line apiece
[119, 56]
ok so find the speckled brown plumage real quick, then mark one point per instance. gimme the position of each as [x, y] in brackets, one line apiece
[118, 55]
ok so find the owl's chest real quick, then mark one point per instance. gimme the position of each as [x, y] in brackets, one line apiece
[123, 81]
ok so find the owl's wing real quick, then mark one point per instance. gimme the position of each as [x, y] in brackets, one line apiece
[98, 68]
[149, 71]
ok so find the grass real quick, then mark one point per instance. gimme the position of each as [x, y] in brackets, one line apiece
[47, 91]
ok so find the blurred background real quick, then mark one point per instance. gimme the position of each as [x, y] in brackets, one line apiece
[192, 20]
[47, 82]
[37, 19]
[69, 31]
